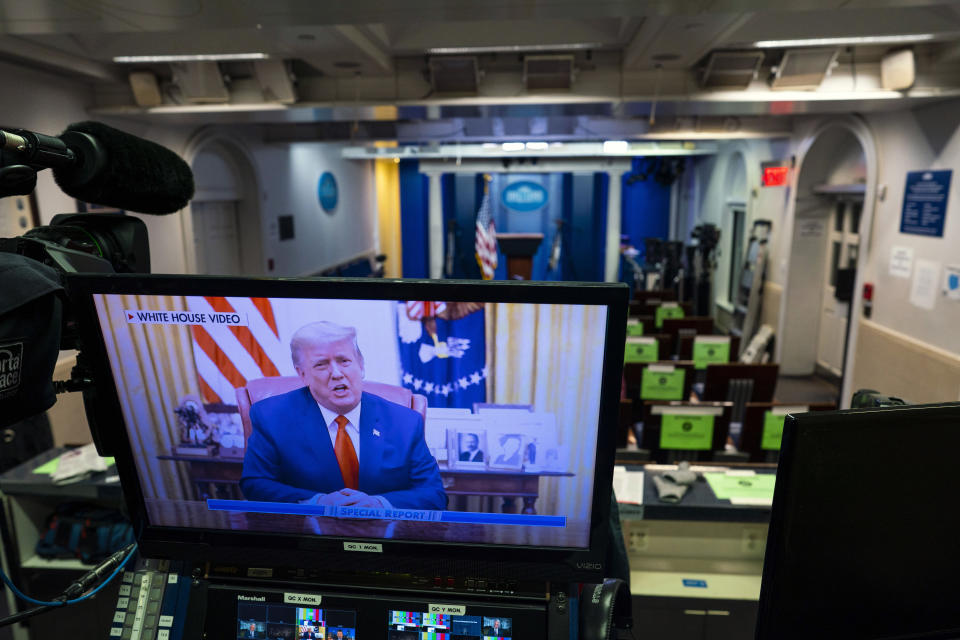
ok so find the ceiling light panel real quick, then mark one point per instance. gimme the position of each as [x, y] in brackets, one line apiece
[191, 57]
[515, 48]
[844, 41]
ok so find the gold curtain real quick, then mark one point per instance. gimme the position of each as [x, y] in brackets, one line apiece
[154, 370]
[551, 356]
[387, 180]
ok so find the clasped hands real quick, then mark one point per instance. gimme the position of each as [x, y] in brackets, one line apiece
[344, 498]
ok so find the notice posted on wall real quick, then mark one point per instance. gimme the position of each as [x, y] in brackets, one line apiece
[901, 262]
[925, 202]
[923, 293]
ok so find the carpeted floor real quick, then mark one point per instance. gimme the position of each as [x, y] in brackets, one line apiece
[805, 389]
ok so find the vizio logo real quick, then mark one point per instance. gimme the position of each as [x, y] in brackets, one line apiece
[524, 196]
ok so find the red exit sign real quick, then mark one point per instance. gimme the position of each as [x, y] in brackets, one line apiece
[775, 176]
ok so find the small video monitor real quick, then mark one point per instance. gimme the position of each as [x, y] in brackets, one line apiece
[276, 621]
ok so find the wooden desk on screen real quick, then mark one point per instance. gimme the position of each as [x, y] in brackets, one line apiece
[219, 477]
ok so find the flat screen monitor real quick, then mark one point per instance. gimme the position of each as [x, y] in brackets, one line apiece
[359, 415]
[864, 526]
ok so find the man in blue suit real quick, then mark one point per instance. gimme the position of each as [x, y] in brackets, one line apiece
[329, 443]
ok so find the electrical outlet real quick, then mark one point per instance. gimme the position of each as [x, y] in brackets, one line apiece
[637, 539]
[751, 541]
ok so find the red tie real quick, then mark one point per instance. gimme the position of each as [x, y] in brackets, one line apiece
[346, 455]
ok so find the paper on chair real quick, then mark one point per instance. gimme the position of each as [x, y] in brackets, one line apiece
[628, 485]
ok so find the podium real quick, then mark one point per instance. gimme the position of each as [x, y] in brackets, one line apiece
[519, 249]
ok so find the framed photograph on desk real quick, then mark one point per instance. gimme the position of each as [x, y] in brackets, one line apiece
[471, 449]
[507, 451]
[466, 440]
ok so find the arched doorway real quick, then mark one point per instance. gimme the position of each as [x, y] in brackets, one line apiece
[225, 212]
[828, 231]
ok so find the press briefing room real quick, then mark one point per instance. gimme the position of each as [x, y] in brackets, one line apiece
[453, 320]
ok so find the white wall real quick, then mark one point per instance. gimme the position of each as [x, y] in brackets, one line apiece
[927, 138]
[288, 175]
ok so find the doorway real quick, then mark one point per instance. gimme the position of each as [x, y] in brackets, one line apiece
[827, 238]
[843, 248]
[216, 236]
[225, 214]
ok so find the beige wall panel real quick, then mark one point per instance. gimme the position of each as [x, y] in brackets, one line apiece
[895, 364]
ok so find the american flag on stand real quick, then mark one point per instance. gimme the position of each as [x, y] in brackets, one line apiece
[485, 244]
[227, 357]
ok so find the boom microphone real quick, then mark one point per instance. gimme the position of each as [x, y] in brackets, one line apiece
[98, 164]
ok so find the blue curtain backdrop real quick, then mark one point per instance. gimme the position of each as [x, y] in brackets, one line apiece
[646, 204]
[414, 210]
[449, 366]
[540, 220]
[580, 200]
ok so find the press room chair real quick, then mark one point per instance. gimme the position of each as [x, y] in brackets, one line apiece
[262, 388]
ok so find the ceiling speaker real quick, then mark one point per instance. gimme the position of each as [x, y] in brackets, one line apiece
[730, 69]
[548, 73]
[454, 75]
[146, 90]
[200, 82]
[898, 70]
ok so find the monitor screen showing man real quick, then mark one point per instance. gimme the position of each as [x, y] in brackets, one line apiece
[331, 443]
[461, 422]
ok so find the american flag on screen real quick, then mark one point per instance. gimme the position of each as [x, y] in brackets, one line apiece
[226, 357]
[485, 244]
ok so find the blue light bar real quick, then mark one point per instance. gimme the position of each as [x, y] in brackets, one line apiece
[416, 515]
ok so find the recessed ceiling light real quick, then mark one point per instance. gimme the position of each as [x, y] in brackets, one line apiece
[537, 146]
[515, 48]
[850, 40]
[512, 146]
[192, 57]
[616, 146]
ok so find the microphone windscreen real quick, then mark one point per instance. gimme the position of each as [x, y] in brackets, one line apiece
[137, 174]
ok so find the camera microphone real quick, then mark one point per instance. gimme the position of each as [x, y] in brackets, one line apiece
[101, 165]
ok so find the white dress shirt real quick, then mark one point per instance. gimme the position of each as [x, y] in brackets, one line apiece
[353, 430]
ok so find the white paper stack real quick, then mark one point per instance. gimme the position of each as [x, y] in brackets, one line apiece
[77, 464]
[628, 485]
